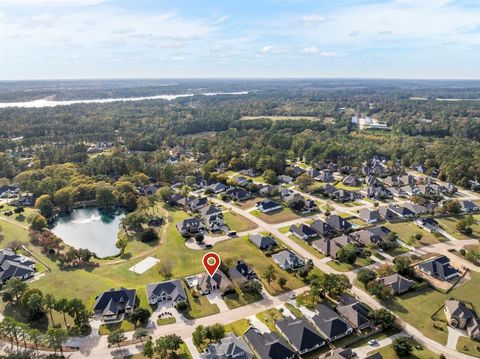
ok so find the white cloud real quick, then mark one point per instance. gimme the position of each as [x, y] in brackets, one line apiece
[329, 54]
[313, 19]
[310, 50]
[272, 49]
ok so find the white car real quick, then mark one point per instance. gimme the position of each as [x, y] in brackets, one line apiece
[293, 296]
[372, 342]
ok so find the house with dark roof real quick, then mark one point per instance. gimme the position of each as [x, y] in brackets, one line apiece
[397, 283]
[438, 267]
[14, 265]
[325, 176]
[344, 195]
[303, 231]
[285, 179]
[288, 259]
[112, 304]
[351, 181]
[268, 206]
[238, 194]
[395, 212]
[179, 200]
[323, 229]
[330, 324]
[266, 190]
[229, 347]
[190, 226]
[196, 204]
[378, 192]
[268, 345]
[241, 272]
[468, 206]
[339, 223]
[429, 224]
[331, 246]
[262, 242]
[218, 187]
[356, 313]
[300, 334]
[166, 291]
[219, 281]
[369, 216]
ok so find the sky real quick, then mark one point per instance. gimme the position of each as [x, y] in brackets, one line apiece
[78, 39]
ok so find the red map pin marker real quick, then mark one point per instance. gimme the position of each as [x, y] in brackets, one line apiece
[211, 262]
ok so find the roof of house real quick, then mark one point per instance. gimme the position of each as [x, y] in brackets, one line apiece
[14, 265]
[329, 322]
[303, 230]
[229, 347]
[369, 215]
[300, 333]
[458, 309]
[205, 282]
[331, 246]
[209, 210]
[268, 345]
[262, 241]
[322, 228]
[268, 204]
[288, 258]
[439, 266]
[108, 302]
[172, 288]
[356, 313]
[397, 282]
[338, 222]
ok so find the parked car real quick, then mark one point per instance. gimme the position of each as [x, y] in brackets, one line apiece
[232, 234]
[372, 342]
[208, 246]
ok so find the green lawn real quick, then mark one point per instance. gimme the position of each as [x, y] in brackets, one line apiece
[237, 222]
[269, 317]
[166, 321]
[295, 311]
[125, 326]
[346, 267]
[449, 224]
[275, 217]
[388, 353]
[238, 299]
[307, 246]
[182, 353]
[199, 307]
[406, 230]
[418, 306]
[238, 328]
[468, 346]
[340, 185]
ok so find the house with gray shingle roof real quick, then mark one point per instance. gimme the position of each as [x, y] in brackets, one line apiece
[14, 265]
[166, 291]
[330, 324]
[229, 347]
[268, 345]
[262, 242]
[397, 283]
[300, 334]
[112, 304]
[356, 313]
[287, 259]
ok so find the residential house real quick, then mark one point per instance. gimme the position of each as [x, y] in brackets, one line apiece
[238, 194]
[343, 195]
[303, 231]
[461, 317]
[112, 304]
[351, 181]
[179, 200]
[330, 247]
[241, 181]
[218, 187]
[395, 212]
[268, 345]
[323, 229]
[340, 353]
[438, 267]
[369, 216]
[429, 224]
[325, 176]
[151, 189]
[219, 281]
[244, 270]
[296, 171]
[468, 206]
[300, 334]
[378, 192]
[287, 259]
[285, 179]
[415, 208]
[313, 173]
[339, 223]
[249, 172]
[229, 347]
[190, 226]
[268, 206]
[14, 265]
[330, 324]
[262, 242]
[266, 190]
[196, 204]
[397, 283]
[356, 313]
[166, 291]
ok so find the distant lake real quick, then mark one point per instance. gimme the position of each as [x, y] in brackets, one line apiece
[90, 228]
[52, 103]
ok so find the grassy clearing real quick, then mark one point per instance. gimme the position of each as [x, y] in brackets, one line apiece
[346, 267]
[199, 307]
[449, 224]
[239, 299]
[340, 185]
[166, 321]
[125, 326]
[247, 204]
[275, 217]
[406, 230]
[238, 328]
[468, 346]
[388, 353]
[237, 222]
[307, 246]
[269, 317]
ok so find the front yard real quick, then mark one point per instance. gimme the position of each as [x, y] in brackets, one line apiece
[237, 222]
[449, 224]
[275, 217]
[406, 230]
[347, 267]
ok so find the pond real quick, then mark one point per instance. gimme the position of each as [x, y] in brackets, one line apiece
[90, 228]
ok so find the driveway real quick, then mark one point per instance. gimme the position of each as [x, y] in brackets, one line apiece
[362, 352]
[258, 324]
[216, 298]
[453, 335]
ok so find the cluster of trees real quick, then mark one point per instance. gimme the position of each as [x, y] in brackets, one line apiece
[212, 333]
[465, 225]
[323, 285]
[33, 302]
[164, 347]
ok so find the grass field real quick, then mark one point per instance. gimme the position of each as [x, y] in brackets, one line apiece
[449, 224]
[346, 267]
[406, 230]
[275, 217]
[388, 353]
[468, 346]
[307, 246]
[166, 321]
[269, 317]
[238, 328]
[237, 222]
[340, 185]
[238, 299]
[199, 307]
[418, 306]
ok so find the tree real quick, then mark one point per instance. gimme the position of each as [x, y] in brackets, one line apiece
[45, 205]
[34, 305]
[64, 198]
[304, 181]
[270, 177]
[165, 268]
[55, 338]
[251, 287]
[61, 306]
[105, 197]
[461, 225]
[167, 345]
[366, 275]
[116, 337]
[452, 206]
[15, 287]
[332, 285]
[9, 329]
[282, 282]
[383, 319]
[149, 235]
[148, 349]
[402, 265]
[35, 337]
[140, 333]
[49, 304]
[348, 254]
[140, 315]
[215, 331]
[199, 335]
[403, 346]
[165, 193]
[121, 243]
[38, 222]
[269, 275]
[384, 270]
